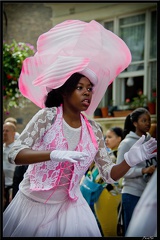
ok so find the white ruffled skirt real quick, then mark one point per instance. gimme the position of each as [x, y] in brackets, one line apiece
[27, 218]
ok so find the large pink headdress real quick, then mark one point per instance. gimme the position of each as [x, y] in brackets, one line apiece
[69, 47]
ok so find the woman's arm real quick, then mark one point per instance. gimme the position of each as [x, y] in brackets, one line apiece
[28, 156]
[119, 170]
[111, 172]
[31, 156]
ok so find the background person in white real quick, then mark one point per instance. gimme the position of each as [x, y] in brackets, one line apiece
[9, 130]
[144, 219]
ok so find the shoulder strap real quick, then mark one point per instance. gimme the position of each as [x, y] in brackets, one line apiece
[91, 132]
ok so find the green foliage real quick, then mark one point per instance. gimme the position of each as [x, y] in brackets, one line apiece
[13, 56]
[139, 101]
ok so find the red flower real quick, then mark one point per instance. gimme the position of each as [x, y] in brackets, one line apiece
[140, 92]
[127, 100]
[9, 76]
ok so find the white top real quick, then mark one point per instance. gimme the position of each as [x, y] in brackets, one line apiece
[144, 219]
[16, 135]
[72, 135]
[8, 168]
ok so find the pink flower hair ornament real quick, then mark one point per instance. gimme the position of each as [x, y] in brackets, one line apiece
[69, 47]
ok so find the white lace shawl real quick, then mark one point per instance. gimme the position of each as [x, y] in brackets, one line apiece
[41, 122]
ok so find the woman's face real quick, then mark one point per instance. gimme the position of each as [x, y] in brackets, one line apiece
[143, 124]
[112, 140]
[80, 99]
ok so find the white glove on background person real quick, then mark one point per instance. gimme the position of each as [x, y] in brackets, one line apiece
[71, 156]
[140, 152]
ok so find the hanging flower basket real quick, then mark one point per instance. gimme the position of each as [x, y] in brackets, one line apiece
[13, 56]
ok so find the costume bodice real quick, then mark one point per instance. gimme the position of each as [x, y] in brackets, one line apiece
[51, 174]
[44, 132]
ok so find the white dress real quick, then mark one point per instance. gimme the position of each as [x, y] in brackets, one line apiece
[30, 215]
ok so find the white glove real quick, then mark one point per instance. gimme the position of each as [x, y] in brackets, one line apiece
[140, 152]
[71, 156]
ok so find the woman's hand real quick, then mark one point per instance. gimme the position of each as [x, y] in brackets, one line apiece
[149, 169]
[140, 151]
[71, 156]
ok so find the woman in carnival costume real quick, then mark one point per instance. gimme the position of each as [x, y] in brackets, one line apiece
[74, 60]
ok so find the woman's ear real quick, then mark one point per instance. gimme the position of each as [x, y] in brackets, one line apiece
[119, 138]
[135, 124]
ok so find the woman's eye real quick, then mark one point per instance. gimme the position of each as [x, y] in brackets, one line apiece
[79, 88]
[90, 89]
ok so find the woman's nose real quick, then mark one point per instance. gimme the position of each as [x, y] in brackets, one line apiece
[86, 91]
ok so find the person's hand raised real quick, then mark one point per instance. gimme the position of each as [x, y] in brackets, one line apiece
[140, 151]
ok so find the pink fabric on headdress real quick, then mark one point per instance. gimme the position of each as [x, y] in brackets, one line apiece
[69, 47]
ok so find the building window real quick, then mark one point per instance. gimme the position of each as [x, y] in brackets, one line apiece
[132, 31]
[153, 35]
[153, 54]
[143, 68]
